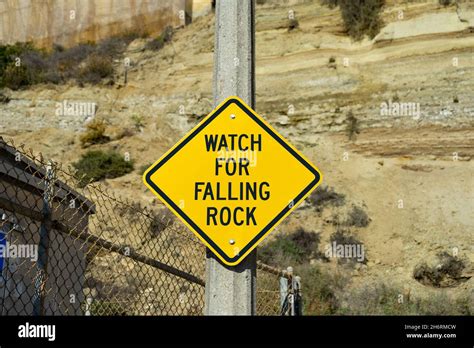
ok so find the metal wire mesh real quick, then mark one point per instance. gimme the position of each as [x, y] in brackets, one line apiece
[74, 250]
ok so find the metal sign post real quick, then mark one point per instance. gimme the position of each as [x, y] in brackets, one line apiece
[232, 290]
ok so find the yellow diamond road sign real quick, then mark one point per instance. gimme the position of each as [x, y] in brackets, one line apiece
[232, 179]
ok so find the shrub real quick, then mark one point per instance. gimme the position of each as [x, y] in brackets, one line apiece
[11, 75]
[330, 3]
[98, 165]
[34, 66]
[327, 293]
[357, 217]
[96, 68]
[94, 133]
[138, 122]
[320, 289]
[4, 99]
[351, 247]
[161, 221]
[112, 46]
[107, 308]
[445, 272]
[324, 196]
[384, 299]
[67, 63]
[445, 2]
[159, 42]
[144, 167]
[295, 248]
[378, 298]
[293, 24]
[132, 34]
[352, 126]
[86, 62]
[15, 77]
[124, 132]
[361, 17]
[8, 53]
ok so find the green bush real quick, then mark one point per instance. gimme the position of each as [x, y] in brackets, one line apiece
[15, 77]
[98, 165]
[85, 63]
[296, 248]
[320, 289]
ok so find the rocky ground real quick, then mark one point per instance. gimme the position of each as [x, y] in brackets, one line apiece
[325, 93]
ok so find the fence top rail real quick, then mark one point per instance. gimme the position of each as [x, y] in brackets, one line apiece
[35, 168]
[275, 271]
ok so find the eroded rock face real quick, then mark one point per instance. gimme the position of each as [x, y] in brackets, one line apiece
[66, 22]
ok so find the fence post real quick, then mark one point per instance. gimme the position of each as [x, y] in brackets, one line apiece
[43, 246]
[88, 306]
[283, 295]
[232, 290]
[298, 297]
[291, 291]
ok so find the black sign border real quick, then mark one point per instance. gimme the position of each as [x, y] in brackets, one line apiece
[296, 200]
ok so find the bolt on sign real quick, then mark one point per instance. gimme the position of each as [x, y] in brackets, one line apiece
[232, 179]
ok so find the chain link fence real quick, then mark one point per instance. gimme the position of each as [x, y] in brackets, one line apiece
[70, 249]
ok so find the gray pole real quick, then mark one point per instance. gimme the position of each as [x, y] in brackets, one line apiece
[232, 290]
